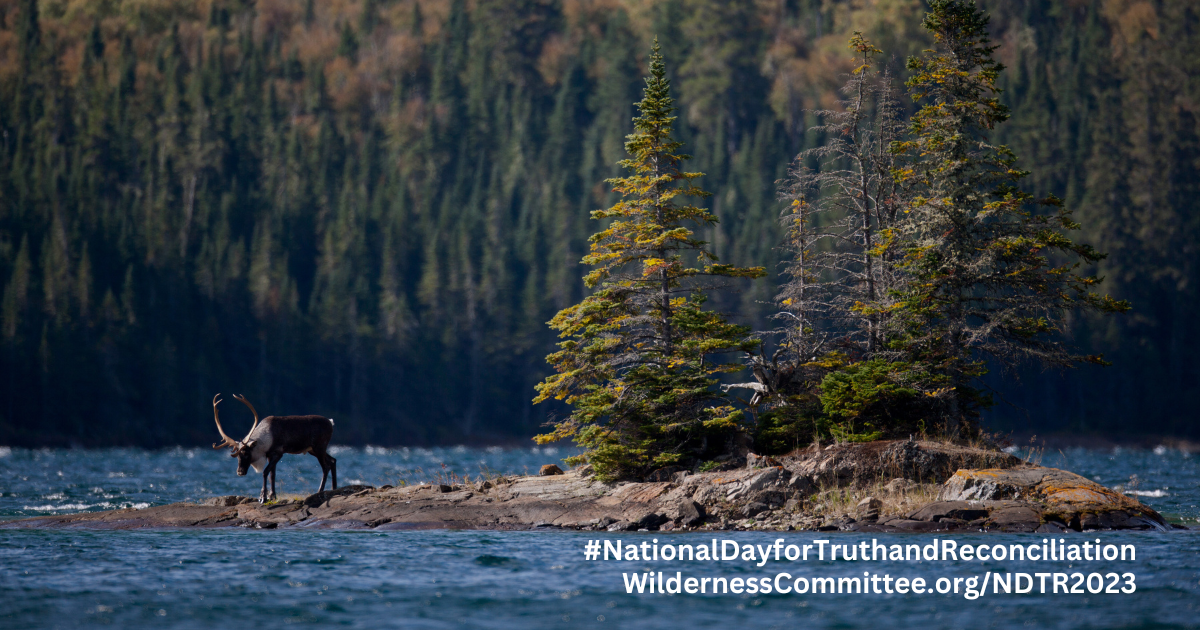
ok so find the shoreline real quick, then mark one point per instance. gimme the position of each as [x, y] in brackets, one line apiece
[886, 486]
[1019, 439]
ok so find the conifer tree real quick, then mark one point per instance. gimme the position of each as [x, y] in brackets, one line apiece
[641, 355]
[840, 217]
[991, 277]
[839, 224]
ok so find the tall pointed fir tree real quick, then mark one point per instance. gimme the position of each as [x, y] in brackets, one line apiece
[991, 277]
[641, 356]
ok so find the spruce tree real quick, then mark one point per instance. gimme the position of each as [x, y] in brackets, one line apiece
[839, 219]
[838, 224]
[641, 355]
[990, 276]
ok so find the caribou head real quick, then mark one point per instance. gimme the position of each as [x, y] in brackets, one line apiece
[242, 449]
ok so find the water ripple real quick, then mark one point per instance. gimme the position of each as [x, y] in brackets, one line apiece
[509, 580]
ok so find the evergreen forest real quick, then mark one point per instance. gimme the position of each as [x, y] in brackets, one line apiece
[370, 209]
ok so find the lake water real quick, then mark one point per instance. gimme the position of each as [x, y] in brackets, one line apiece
[469, 579]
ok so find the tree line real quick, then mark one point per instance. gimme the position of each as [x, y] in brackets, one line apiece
[370, 209]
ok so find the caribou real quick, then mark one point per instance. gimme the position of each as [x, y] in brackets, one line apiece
[274, 436]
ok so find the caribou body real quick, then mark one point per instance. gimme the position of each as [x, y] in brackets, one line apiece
[269, 440]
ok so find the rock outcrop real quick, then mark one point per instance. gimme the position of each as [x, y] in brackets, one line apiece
[918, 461]
[1064, 499]
[980, 490]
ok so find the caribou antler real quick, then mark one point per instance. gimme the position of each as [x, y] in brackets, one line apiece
[252, 410]
[228, 441]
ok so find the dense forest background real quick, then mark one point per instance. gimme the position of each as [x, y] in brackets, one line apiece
[369, 209]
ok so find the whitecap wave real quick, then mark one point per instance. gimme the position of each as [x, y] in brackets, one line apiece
[67, 506]
[5, 451]
[84, 506]
[1153, 494]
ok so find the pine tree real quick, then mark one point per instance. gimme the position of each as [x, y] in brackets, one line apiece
[642, 355]
[990, 277]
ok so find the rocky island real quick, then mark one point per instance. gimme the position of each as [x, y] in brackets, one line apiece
[883, 486]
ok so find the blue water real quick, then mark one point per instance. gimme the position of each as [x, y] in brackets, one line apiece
[469, 579]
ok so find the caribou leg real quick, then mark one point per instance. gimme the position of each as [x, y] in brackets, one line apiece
[321, 459]
[273, 466]
[270, 469]
[262, 496]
